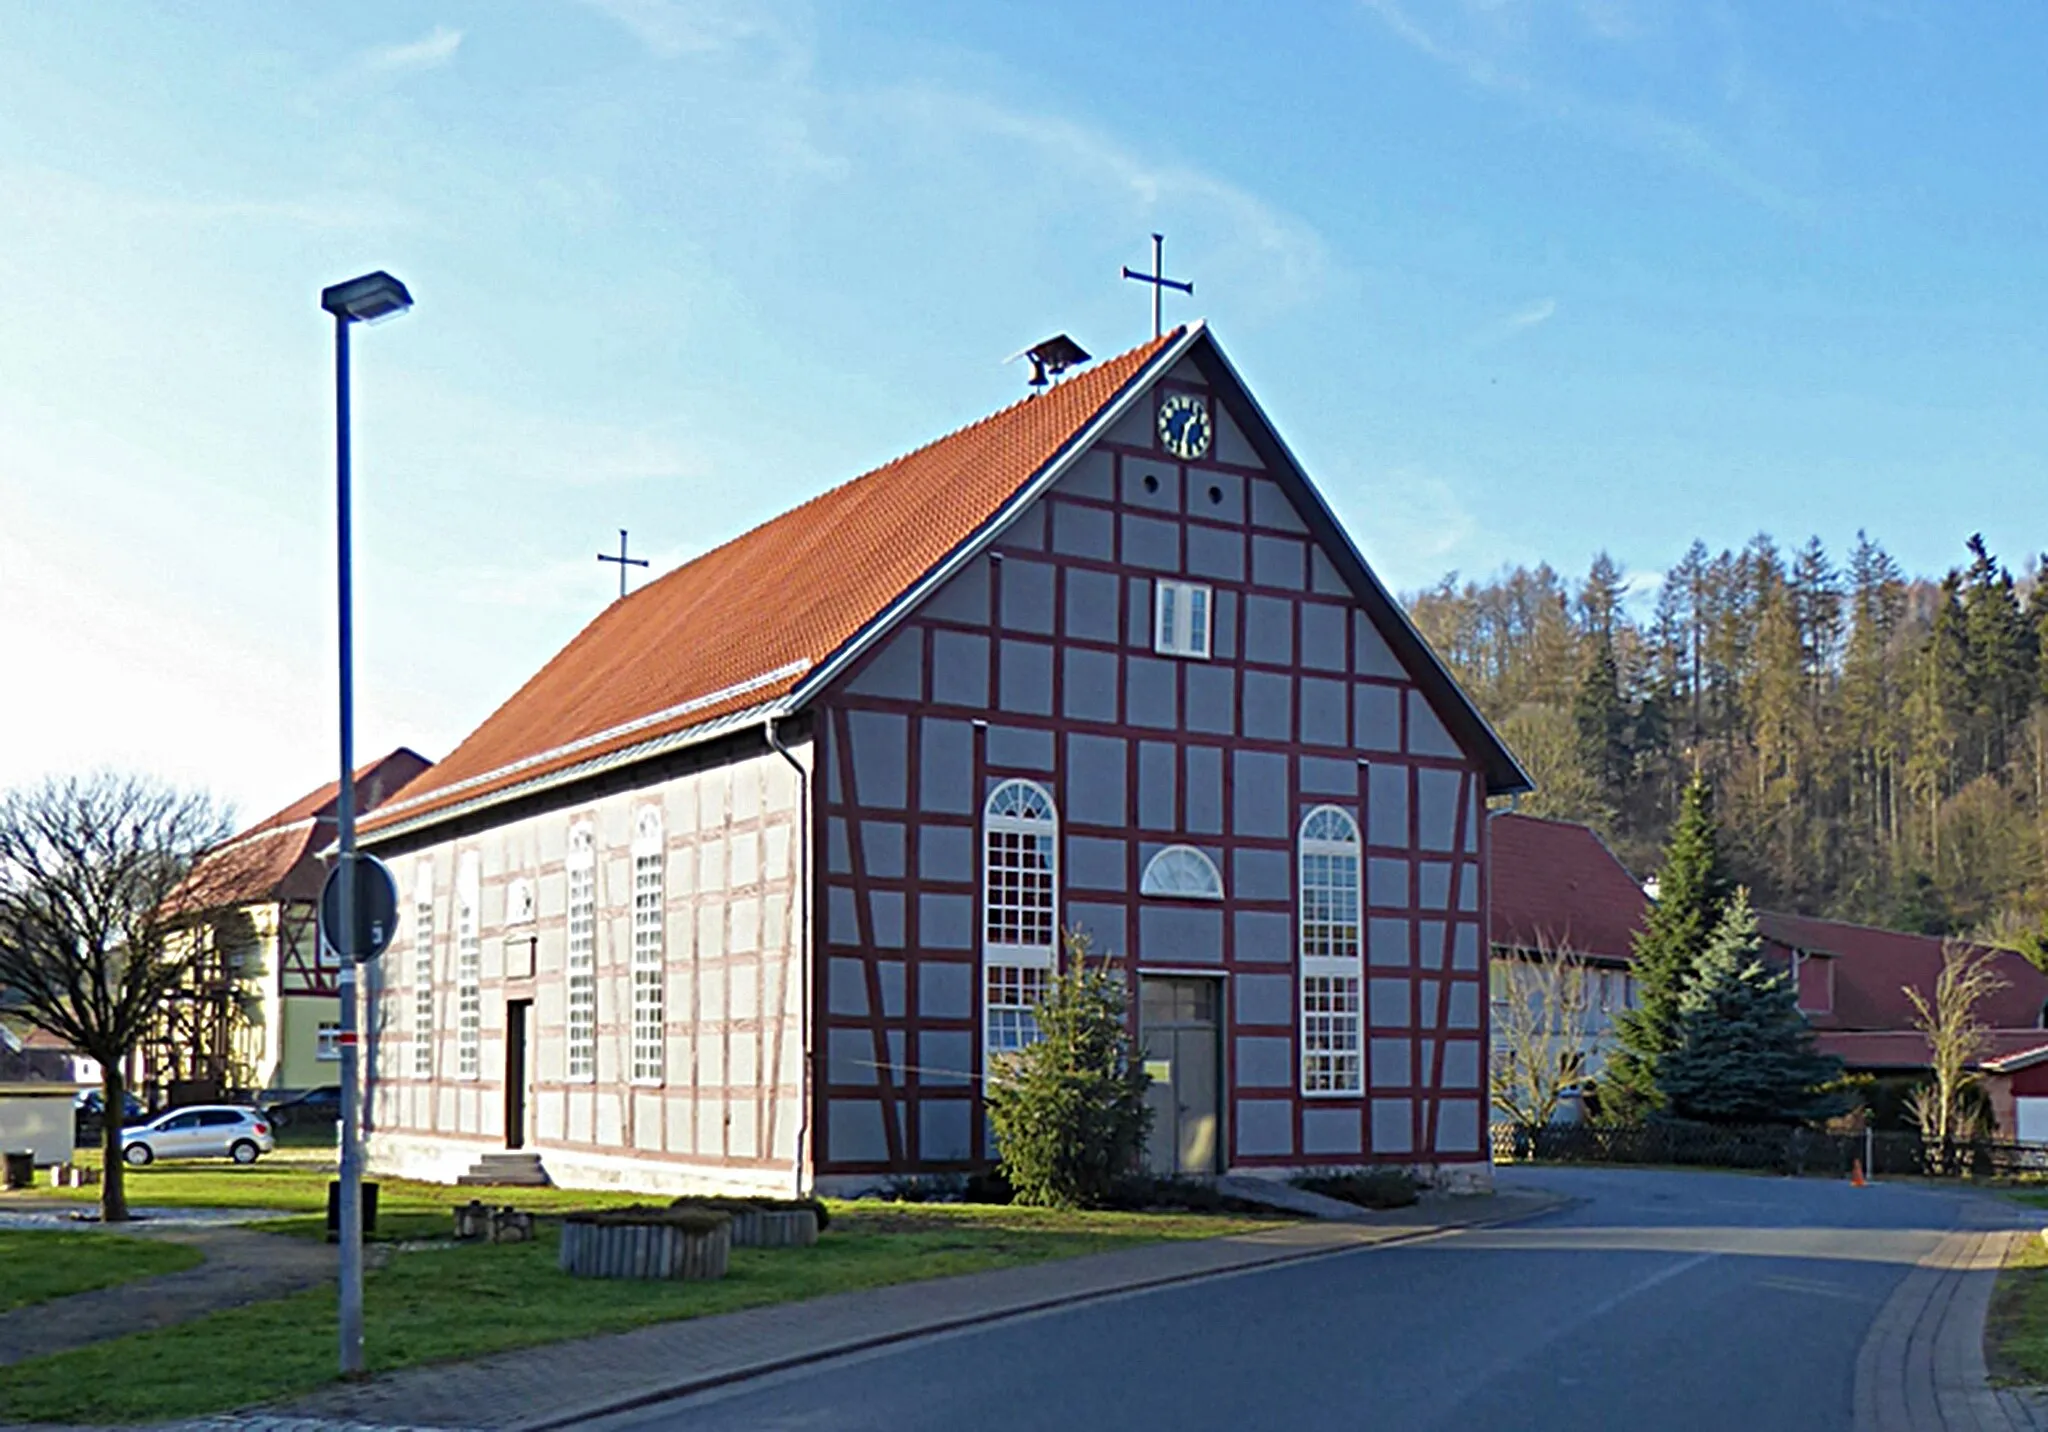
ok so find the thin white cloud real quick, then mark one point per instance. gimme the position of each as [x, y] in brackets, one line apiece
[669, 28]
[1541, 311]
[429, 52]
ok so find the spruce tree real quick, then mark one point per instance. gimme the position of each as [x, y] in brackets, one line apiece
[1742, 1052]
[1692, 891]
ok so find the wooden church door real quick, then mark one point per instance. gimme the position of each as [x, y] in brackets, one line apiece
[1179, 1021]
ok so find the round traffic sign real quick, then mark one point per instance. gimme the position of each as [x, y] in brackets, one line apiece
[376, 912]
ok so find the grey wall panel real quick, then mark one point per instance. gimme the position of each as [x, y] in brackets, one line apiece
[1089, 690]
[1270, 507]
[1465, 947]
[1376, 717]
[945, 922]
[960, 669]
[853, 1131]
[945, 989]
[1265, 999]
[1151, 542]
[892, 977]
[1390, 1003]
[1094, 863]
[1265, 1061]
[1386, 883]
[1093, 474]
[1158, 768]
[1180, 934]
[838, 847]
[1027, 596]
[1457, 1126]
[1436, 808]
[1212, 699]
[963, 598]
[1223, 628]
[945, 776]
[1019, 748]
[1261, 874]
[881, 758]
[1433, 883]
[1265, 1127]
[1279, 562]
[1096, 781]
[1328, 775]
[1370, 654]
[1231, 445]
[849, 1056]
[1429, 944]
[1390, 942]
[1387, 804]
[1269, 630]
[945, 852]
[1215, 552]
[1204, 766]
[1216, 495]
[1393, 1126]
[1091, 604]
[1149, 482]
[1461, 1064]
[1468, 886]
[1264, 936]
[1322, 636]
[1135, 427]
[1464, 1007]
[1325, 712]
[1026, 531]
[1323, 575]
[1083, 532]
[882, 848]
[842, 918]
[1024, 680]
[1426, 734]
[897, 670]
[1425, 1007]
[945, 1058]
[1152, 692]
[1334, 1132]
[847, 986]
[1107, 926]
[945, 1130]
[1258, 789]
[1269, 706]
[1393, 1063]
[1138, 624]
[885, 911]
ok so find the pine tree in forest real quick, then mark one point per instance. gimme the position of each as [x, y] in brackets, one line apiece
[1742, 1053]
[1602, 718]
[1692, 892]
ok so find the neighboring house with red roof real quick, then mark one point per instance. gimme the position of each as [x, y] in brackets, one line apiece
[748, 885]
[261, 1010]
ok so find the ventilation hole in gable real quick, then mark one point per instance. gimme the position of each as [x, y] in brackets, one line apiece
[1216, 496]
[1151, 483]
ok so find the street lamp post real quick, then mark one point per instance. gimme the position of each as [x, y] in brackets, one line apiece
[367, 299]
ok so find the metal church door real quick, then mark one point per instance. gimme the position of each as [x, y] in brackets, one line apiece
[1179, 1022]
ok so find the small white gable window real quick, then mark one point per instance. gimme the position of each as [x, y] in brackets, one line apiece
[1181, 872]
[1180, 619]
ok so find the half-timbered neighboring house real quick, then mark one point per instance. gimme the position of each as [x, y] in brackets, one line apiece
[749, 883]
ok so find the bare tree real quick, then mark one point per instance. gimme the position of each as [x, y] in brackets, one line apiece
[1542, 1035]
[1955, 1035]
[94, 874]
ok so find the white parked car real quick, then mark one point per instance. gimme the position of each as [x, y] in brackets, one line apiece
[209, 1131]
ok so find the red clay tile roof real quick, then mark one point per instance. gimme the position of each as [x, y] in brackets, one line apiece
[1907, 1048]
[1556, 884]
[743, 624]
[1872, 968]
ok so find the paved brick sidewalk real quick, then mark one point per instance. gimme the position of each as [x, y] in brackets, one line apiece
[564, 1383]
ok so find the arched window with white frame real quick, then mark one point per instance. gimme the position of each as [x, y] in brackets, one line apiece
[650, 974]
[1020, 923]
[423, 970]
[1181, 872]
[1332, 959]
[582, 953]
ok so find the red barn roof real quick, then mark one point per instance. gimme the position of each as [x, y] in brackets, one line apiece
[1873, 967]
[1557, 885]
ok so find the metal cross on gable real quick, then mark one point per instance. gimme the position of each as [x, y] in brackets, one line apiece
[1158, 279]
[623, 560]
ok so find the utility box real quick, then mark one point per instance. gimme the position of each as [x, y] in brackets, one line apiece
[37, 1118]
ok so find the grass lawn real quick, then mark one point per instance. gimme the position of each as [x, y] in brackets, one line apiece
[50, 1264]
[435, 1304]
[2016, 1327]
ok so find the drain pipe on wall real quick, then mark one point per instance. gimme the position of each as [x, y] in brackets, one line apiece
[800, 863]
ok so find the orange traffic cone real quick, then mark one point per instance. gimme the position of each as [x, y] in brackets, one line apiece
[1856, 1179]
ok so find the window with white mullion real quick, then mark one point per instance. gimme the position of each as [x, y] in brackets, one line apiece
[1020, 923]
[423, 975]
[469, 968]
[1331, 956]
[582, 956]
[1180, 619]
[650, 993]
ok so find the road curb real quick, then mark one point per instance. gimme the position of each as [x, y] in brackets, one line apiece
[690, 1386]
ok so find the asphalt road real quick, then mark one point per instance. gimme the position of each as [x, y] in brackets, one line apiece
[1662, 1300]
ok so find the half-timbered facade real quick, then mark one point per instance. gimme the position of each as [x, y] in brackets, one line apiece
[748, 885]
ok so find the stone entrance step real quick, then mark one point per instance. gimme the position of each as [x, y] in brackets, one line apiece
[505, 1171]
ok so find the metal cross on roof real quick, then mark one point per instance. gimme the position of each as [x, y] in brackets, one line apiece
[1158, 279]
[623, 560]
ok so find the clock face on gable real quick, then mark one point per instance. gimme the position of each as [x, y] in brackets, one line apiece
[1184, 426]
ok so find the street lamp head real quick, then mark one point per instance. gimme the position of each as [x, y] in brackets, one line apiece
[368, 299]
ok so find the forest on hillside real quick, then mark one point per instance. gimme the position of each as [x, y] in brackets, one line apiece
[1878, 742]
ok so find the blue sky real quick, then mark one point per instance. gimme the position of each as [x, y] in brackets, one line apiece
[1518, 280]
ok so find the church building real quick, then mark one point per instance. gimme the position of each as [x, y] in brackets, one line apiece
[746, 887]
